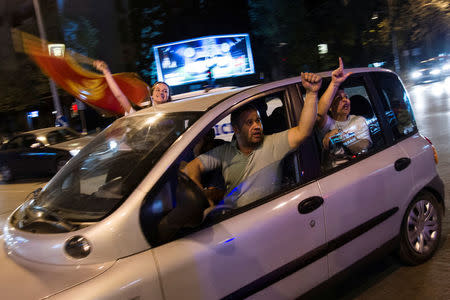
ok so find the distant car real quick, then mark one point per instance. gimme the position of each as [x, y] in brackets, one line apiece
[39, 152]
[122, 221]
[431, 70]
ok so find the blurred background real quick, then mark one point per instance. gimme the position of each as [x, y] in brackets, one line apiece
[286, 37]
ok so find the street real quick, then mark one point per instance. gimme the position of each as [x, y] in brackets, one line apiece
[387, 278]
[12, 195]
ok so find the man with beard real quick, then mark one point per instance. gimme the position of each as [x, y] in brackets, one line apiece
[250, 164]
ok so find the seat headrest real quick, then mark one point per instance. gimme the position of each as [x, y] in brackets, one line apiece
[360, 106]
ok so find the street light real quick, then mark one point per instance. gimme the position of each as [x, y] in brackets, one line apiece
[393, 36]
[56, 103]
[56, 49]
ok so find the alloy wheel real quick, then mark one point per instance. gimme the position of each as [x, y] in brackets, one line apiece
[423, 226]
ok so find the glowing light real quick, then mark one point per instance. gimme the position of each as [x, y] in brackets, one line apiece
[112, 145]
[56, 49]
[153, 119]
[229, 240]
[74, 152]
[416, 74]
[38, 154]
[435, 72]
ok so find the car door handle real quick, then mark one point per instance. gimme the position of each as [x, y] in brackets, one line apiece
[402, 163]
[309, 204]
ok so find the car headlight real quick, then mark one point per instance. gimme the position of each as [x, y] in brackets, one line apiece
[416, 74]
[435, 72]
[74, 152]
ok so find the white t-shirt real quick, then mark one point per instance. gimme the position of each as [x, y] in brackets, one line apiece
[350, 131]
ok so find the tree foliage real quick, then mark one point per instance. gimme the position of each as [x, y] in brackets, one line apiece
[23, 87]
[147, 20]
[80, 35]
[423, 23]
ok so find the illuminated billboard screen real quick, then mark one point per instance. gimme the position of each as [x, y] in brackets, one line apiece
[190, 60]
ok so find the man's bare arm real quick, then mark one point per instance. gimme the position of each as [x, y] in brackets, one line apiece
[194, 170]
[298, 134]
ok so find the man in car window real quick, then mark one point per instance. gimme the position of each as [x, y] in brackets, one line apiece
[250, 163]
[343, 133]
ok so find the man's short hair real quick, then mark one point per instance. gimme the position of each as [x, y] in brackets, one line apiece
[235, 115]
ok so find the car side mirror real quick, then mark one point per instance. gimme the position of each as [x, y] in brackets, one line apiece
[188, 212]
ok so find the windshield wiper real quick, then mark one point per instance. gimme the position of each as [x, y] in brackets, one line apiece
[43, 214]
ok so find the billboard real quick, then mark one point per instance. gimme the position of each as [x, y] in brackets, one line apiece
[191, 60]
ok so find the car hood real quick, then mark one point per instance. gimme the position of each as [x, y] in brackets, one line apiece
[75, 144]
[24, 279]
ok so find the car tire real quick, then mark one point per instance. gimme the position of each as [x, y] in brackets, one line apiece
[6, 174]
[421, 229]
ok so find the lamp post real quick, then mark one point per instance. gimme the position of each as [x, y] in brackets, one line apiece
[56, 102]
[393, 36]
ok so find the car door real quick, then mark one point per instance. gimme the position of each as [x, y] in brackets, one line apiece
[10, 155]
[270, 248]
[37, 158]
[362, 196]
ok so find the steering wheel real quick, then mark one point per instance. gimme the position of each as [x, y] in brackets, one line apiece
[217, 211]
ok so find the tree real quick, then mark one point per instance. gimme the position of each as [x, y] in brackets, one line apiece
[80, 35]
[23, 87]
[147, 22]
[283, 36]
[424, 22]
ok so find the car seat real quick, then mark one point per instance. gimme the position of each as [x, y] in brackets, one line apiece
[360, 106]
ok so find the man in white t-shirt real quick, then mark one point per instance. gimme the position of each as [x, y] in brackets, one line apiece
[342, 133]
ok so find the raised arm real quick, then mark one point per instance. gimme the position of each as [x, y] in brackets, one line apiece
[117, 92]
[337, 77]
[298, 134]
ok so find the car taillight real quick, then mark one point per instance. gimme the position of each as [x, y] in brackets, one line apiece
[436, 159]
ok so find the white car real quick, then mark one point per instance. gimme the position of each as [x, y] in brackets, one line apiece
[120, 221]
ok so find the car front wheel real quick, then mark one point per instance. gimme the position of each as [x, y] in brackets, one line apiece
[421, 229]
[6, 174]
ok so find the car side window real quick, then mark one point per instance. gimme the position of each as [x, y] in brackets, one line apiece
[15, 143]
[272, 110]
[357, 136]
[67, 135]
[396, 104]
[177, 205]
[29, 140]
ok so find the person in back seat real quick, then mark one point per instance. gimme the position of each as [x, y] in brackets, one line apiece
[342, 133]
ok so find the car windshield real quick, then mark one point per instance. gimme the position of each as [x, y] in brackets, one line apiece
[97, 180]
[61, 135]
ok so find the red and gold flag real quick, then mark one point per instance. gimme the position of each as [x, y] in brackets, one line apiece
[87, 86]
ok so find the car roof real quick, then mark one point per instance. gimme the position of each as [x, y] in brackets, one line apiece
[43, 131]
[203, 100]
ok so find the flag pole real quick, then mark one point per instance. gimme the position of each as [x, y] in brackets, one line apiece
[56, 103]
